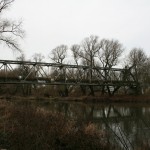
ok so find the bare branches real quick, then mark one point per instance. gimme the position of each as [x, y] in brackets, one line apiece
[10, 31]
[91, 45]
[93, 52]
[87, 50]
[11, 28]
[137, 59]
[110, 51]
[137, 56]
[38, 57]
[58, 54]
[11, 43]
[4, 4]
[76, 52]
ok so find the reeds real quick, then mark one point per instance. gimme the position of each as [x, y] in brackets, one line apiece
[26, 127]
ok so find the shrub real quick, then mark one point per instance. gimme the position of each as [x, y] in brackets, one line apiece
[28, 128]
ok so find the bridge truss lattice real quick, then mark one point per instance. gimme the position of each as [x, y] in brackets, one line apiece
[26, 72]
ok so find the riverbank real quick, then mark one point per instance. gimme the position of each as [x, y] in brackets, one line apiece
[28, 127]
[28, 124]
[103, 99]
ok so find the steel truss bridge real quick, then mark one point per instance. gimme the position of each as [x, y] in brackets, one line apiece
[26, 72]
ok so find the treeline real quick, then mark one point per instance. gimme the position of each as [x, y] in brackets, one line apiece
[92, 52]
[102, 53]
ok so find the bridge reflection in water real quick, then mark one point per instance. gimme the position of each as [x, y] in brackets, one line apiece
[127, 125]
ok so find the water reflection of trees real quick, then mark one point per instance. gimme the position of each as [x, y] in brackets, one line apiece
[127, 126]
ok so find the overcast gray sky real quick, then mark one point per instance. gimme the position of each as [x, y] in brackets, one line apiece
[49, 23]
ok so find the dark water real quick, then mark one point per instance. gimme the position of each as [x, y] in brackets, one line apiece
[128, 125]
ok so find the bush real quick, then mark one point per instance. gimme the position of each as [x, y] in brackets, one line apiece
[29, 128]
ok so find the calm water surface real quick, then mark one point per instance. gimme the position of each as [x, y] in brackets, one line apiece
[127, 124]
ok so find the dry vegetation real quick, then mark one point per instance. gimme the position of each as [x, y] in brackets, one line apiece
[24, 126]
[27, 127]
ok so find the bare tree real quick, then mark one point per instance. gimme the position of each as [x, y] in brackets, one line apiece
[75, 49]
[89, 49]
[38, 57]
[146, 72]
[137, 57]
[109, 53]
[108, 57]
[21, 57]
[10, 31]
[86, 53]
[137, 60]
[58, 54]
[77, 73]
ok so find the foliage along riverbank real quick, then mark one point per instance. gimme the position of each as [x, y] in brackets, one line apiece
[29, 127]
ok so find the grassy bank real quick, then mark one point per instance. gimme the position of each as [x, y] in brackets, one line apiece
[28, 127]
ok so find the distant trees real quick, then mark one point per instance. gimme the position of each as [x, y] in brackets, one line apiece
[139, 64]
[38, 57]
[137, 60]
[109, 53]
[104, 53]
[91, 52]
[10, 31]
[108, 57]
[95, 61]
[147, 71]
[101, 53]
[75, 49]
[87, 53]
[89, 49]
[59, 54]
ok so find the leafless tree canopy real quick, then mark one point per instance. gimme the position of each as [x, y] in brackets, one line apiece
[4, 4]
[10, 31]
[38, 57]
[76, 51]
[89, 48]
[93, 51]
[58, 54]
[138, 60]
[137, 57]
[110, 51]
[21, 57]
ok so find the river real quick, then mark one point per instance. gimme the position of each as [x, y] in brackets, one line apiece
[128, 124]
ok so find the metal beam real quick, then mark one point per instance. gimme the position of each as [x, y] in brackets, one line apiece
[26, 72]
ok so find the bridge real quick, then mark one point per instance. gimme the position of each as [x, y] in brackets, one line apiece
[42, 73]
